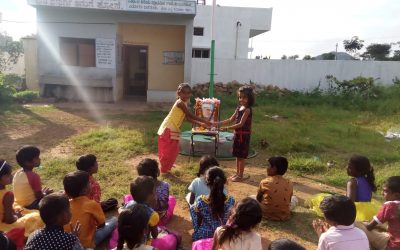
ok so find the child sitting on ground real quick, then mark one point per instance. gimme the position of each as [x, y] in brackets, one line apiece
[339, 232]
[11, 218]
[164, 203]
[362, 183]
[55, 212]
[88, 163]
[27, 185]
[94, 227]
[198, 186]
[132, 228]
[390, 213]
[239, 232]
[285, 244]
[275, 191]
[211, 211]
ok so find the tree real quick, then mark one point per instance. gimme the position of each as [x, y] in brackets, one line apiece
[328, 56]
[396, 55]
[284, 57]
[378, 52]
[294, 57]
[10, 51]
[353, 45]
[307, 57]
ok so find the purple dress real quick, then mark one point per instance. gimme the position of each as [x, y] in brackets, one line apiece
[364, 191]
[162, 195]
[241, 141]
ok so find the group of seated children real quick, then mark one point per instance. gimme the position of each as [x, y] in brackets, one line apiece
[75, 218]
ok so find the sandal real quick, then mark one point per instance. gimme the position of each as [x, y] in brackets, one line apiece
[240, 178]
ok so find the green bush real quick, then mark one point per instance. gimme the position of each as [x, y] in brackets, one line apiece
[26, 96]
[6, 90]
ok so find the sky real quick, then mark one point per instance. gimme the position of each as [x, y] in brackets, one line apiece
[308, 27]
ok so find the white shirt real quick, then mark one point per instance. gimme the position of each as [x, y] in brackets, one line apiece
[343, 238]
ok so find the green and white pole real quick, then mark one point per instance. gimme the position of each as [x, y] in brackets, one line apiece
[212, 56]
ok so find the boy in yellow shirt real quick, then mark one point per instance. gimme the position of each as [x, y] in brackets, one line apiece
[94, 227]
[275, 192]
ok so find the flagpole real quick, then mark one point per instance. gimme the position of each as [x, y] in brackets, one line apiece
[211, 87]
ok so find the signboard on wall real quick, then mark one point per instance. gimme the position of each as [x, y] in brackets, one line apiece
[174, 57]
[105, 53]
[155, 6]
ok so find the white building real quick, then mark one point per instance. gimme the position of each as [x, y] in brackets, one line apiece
[113, 49]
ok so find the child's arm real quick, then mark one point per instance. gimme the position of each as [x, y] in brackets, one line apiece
[371, 225]
[229, 120]
[189, 115]
[9, 214]
[242, 121]
[192, 198]
[351, 191]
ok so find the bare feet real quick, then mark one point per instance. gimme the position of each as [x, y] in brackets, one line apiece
[239, 178]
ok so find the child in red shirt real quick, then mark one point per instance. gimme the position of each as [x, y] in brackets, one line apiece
[389, 213]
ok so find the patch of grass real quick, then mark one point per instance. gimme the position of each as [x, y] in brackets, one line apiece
[300, 225]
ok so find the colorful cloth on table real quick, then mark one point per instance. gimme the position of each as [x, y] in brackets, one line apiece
[343, 237]
[173, 121]
[364, 191]
[199, 187]
[51, 237]
[365, 210]
[168, 150]
[30, 220]
[25, 184]
[90, 215]
[276, 192]
[245, 241]
[390, 213]
[162, 198]
[241, 140]
[204, 223]
[95, 190]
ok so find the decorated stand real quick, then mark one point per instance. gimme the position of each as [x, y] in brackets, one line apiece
[208, 109]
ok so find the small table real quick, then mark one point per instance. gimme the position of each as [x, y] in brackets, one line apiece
[213, 134]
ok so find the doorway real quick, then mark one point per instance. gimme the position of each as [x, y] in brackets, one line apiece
[135, 70]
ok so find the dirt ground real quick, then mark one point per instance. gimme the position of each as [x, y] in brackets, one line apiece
[51, 128]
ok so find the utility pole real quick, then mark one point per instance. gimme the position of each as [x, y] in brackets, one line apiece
[336, 52]
[211, 88]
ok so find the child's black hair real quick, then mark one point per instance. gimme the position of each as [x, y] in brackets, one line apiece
[26, 154]
[148, 167]
[247, 215]
[364, 168]
[206, 162]
[285, 244]
[281, 164]
[86, 162]
[141, 188]
[5, 169]
[75, 183]
[51, 207]
[339, 209]
[131, 225]
[183, 86]
[248, 92]
[216, 179]
[6, 243]
[393, 184]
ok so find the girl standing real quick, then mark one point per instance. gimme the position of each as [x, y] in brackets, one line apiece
[169, 131]
[211, 211]
[242, 126]
[239, 232]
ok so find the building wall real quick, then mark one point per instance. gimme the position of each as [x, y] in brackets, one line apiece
[54, 23]
[158, 38]
[225, 28]
[292, 74]
[31, 65]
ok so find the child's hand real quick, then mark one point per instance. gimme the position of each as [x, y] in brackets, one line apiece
[47, 190]
[76, 229]
[320, 226]
[223, 129]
